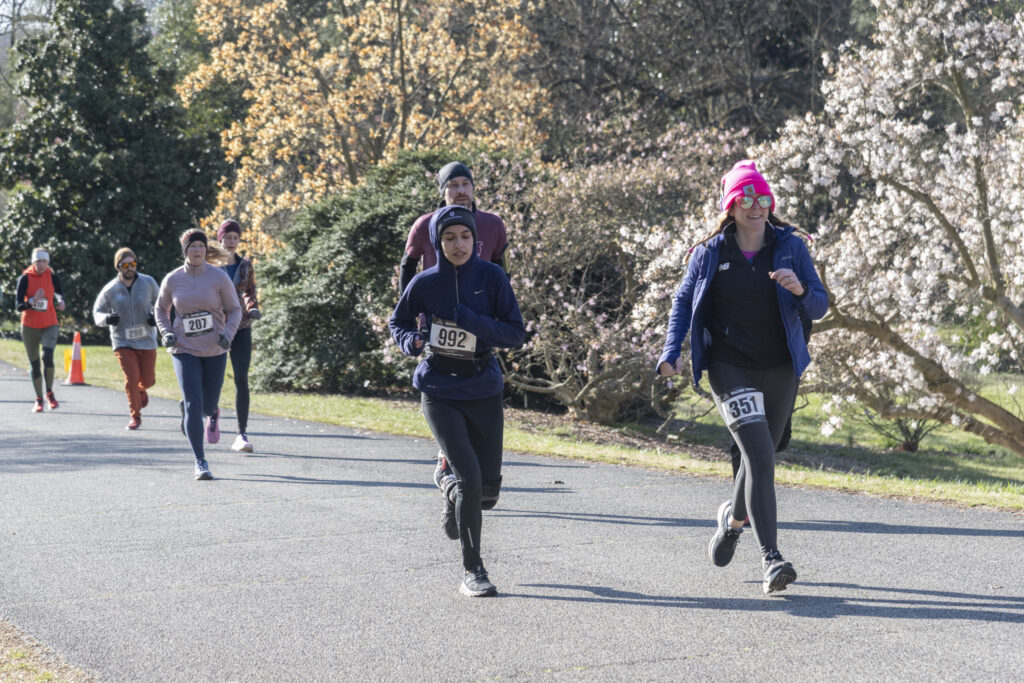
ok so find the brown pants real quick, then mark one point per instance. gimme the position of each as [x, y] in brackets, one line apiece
[139, 368]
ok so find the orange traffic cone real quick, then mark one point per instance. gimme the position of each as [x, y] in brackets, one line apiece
[77, 362]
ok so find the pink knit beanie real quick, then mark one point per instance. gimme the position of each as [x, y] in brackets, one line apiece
[742, 180]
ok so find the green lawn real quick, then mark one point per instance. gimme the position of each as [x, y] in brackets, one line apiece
[953, 467]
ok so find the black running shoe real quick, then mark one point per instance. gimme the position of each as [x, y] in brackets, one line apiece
[442, 470]
[476, 584]
[723, 543]
[777, 573]
[449, 522]
[181, 404]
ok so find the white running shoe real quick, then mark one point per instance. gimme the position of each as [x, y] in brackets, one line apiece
[241, 444]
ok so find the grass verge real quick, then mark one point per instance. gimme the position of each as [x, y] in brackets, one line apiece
[24, 659]
[973, 475]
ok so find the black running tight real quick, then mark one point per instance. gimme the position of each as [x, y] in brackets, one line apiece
[756, 404]
[241, 355]
[470, 434]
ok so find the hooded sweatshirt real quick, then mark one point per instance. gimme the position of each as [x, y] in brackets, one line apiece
[459, 303]
[205, 305]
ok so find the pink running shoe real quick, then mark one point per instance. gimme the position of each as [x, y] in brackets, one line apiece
[213, 427]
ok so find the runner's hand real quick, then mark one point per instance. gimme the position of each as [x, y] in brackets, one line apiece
[224, 342]
[667, 369]
[113, 319]
[169, 340]
[788, 280]
[151, 320]
[255, 314]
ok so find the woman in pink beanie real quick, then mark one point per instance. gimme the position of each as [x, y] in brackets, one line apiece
[747, 287]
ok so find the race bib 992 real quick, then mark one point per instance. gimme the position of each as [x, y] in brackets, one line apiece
[448, 339]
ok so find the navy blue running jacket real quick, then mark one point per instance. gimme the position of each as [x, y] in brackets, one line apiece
[478, 298]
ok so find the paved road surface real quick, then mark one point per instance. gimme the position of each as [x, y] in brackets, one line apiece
[321, 557]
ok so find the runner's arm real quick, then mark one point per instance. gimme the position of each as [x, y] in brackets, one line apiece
[20, 294]
[405, 326]
[101, 307]
[249, 293]
[407, 271]
[505, 330]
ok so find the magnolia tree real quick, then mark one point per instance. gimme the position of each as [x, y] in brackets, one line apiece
[578, 263]
[912, 175]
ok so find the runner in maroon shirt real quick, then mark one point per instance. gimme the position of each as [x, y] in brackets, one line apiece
[456, 185]
[455, 182]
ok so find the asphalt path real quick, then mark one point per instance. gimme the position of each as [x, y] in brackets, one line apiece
[321, 557]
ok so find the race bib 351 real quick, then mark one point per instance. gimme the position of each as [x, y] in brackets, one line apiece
[742, 406]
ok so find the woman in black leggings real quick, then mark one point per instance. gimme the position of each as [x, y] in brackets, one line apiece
[243, 277]
[470, 308]
[747, 286]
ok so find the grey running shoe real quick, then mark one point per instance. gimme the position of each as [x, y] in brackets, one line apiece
[476, 584]
[449, 522]
[777, 573]
[723, 543]
[442, 470]
[242, 444]
[203, 470]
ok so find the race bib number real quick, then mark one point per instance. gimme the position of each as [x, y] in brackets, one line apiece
[137, 332]
[40, 304]
[448, 339]
[197, 324]
[742, 407]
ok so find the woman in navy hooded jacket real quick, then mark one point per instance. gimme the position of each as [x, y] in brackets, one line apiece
[470, 308]
[745, 290]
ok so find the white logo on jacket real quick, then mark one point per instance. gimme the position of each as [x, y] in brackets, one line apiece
[723, 266]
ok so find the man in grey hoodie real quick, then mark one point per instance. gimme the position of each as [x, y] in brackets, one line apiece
[125, 305]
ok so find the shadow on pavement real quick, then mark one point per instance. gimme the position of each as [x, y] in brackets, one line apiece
[317, 435]
[513, 463]
[959, 606]
[604, 518]
[286, 479]
[848, 526]
[880, 528]
[375, 460]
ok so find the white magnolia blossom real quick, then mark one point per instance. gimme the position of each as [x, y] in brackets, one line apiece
[921, 241]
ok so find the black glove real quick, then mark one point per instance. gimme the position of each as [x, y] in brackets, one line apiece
[169, 340]
[255, 314]
[113, 319]
[151, 320]
[224, 342]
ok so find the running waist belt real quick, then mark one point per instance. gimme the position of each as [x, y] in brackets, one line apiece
[463, 367]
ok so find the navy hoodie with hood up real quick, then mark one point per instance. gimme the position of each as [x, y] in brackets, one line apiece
[478, 298]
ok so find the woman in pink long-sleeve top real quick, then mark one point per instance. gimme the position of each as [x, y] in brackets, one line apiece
[206, 317]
